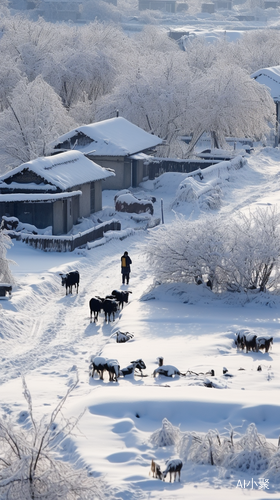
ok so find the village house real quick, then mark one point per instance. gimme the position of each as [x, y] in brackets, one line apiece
[116, 144]
[271, 78]
[53, 191]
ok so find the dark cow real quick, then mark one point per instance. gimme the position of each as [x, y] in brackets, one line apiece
[264, 343]
[121, 297]
[95, 305]
[251, 342]
[70, 279]
[240, 340]
[138, 364]
[98, 364]
[173, 467]
[110, 307]
[113, 368]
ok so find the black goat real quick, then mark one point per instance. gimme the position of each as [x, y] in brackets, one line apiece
[121, 297]
[110, 307]
[70, 279]
[138, 364]
[173, 467]
[264, 343]
[95, 305]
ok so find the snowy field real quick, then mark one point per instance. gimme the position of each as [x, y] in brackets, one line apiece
[48, 337]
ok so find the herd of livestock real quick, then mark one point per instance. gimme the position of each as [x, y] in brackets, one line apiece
[110, 304]
[252, 342]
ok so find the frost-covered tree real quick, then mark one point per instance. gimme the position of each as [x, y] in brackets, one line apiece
[31, 458]
[227, 102]
[34, 116]
[247, 50]
[154, 98]
[5, 272]
[234, 253]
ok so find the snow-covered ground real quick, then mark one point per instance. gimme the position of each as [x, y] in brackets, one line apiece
[48, 337]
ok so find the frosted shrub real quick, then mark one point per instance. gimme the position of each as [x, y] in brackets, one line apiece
[201, 448]
[251, 452]
[248, 453]
[168, 435]
[236, 253]
[31, 465]
[208, 195]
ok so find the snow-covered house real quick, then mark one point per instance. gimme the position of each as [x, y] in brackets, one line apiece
[60, 10]
[115, 143]
[271, 78]
[53, 191]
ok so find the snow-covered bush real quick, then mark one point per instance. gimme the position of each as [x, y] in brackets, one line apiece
[168, 435]
[249, 453]
[240, 252]
[31, 465]
[208, 194]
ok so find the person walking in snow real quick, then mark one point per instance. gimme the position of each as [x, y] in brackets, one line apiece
[125, 267]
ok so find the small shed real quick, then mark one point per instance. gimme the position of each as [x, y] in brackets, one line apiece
[53, 191]
[116, 144]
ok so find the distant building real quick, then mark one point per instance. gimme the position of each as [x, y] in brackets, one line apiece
[60, 10]
[271, 4]
[177, 34]
[53, 191]
[223, 4]
[165, 5]
[208, 8]
[116, 144]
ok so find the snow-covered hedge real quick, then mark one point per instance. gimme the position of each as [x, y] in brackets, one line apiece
[249, 452]
[205, 186]
[236, 253]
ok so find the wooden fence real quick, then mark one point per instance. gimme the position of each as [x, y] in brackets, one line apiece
[162, 165]
[69, 243]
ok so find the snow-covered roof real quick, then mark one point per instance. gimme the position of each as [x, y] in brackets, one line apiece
[64, 170]
[114, 137]
[33, 197]
[271, 78]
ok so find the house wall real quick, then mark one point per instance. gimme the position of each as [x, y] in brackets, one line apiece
[122, 168]
[84, 209]
[58, 219]
[37, 214]
[97, 196]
